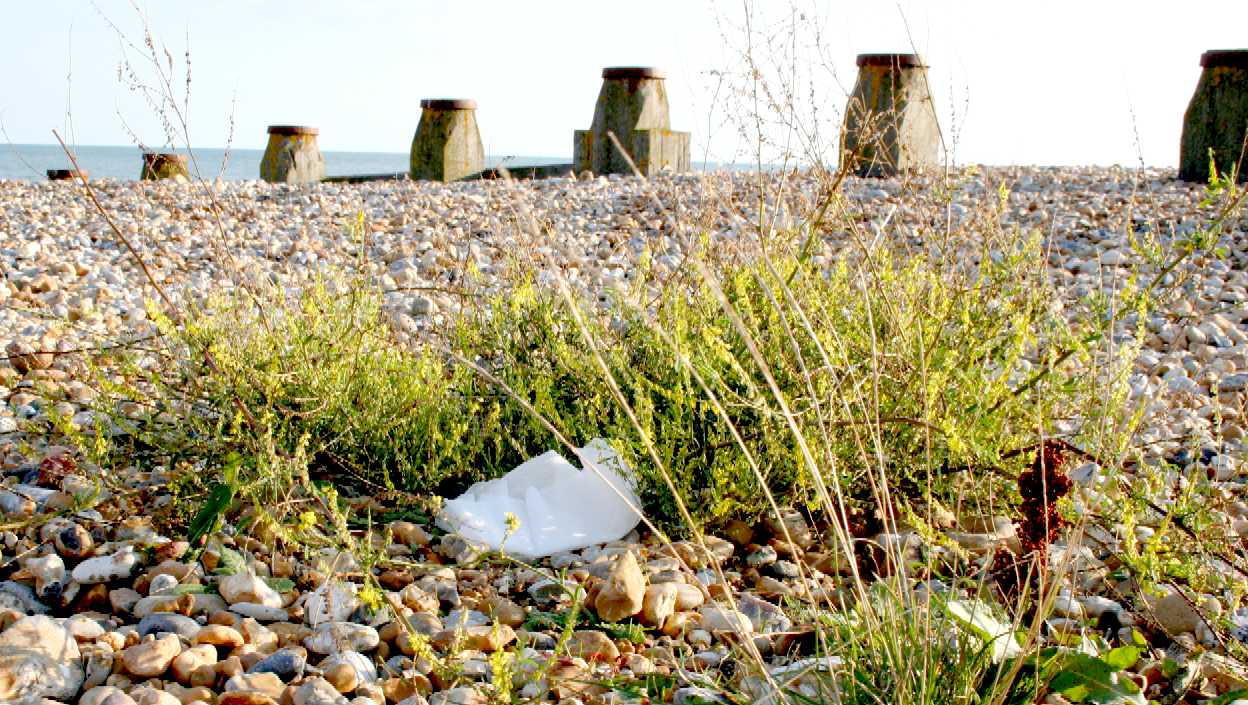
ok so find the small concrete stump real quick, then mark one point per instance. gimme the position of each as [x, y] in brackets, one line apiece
[161, 165]
[447, 145]
[292, 156]
[890, 122]
[1217, 117]
[632, 105]
[67, 174]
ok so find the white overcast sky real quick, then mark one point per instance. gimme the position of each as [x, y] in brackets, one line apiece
[1052, 82]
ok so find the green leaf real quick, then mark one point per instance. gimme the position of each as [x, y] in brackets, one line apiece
[1085, 678]
[1122, 658]
[1227, 698]
[281, 584]
[634, 633]
[231, 562]
[205, 521]
[189, 589]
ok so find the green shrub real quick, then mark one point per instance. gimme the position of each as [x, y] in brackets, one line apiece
[910, 363]
[889, 357]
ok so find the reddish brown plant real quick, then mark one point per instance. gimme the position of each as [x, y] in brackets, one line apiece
[1041, 486]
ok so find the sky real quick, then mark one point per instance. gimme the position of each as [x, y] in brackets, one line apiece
[1058, 82]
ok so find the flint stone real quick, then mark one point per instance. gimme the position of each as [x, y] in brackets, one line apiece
[247, 587]
[245, 697]
[200, 603]
[719, 619]
[365, 670]
[267, 683]
[318, 691]
[103, 569]
[287, 664]
[332, 637]
[170, 623]
[39, 658]
[152, 658]
[21, 598]
[260, 613]
[623, 593]
[98, 694]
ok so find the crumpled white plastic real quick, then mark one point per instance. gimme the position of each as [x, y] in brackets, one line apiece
[558, 507]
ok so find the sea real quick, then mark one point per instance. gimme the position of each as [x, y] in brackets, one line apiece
[32, 161]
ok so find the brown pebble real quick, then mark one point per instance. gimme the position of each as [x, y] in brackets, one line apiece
[205, 676]
[505, 611]
[220, 636]
[245, 697]
[225, 618]
[400, 689]
[191, 660]
[343, 677]
[230, 667]
[593, 646]
[151, 658]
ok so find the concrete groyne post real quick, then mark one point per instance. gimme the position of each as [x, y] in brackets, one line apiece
[447, 145]
[164, 165]
[66, 174]
[890, 122]
[1217, 117]
[632, 104]
[292, 156]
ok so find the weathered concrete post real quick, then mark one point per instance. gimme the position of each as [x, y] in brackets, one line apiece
[632, 105]
[447, 145]
[292, 156]
[66, 174]
[890, 122]
[1217, 117]
[157, 166]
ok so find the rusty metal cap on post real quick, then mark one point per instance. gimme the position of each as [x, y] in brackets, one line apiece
[613, 72]
[293, 130]
[152, 157]
[898, 60]
[65, 174]
[1225, 58]
[448, 104]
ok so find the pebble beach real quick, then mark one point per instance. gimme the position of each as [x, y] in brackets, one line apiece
[294, 632]
[68, 283]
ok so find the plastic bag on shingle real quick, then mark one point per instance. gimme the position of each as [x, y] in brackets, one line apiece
[557, 506]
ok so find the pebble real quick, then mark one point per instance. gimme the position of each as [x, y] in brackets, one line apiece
[260, 613]
[332, 637]
[152, 658]
[622, 593]
[1191, 375]
[1176, 614]
[103, 569]
[267, 683]
[720, 619]
[592, 646]
[169, 622]
[659, 603]
[39, 658]
[287, 664]
[318, 691]
[249, 588]
[365, 670]
[186, 663]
